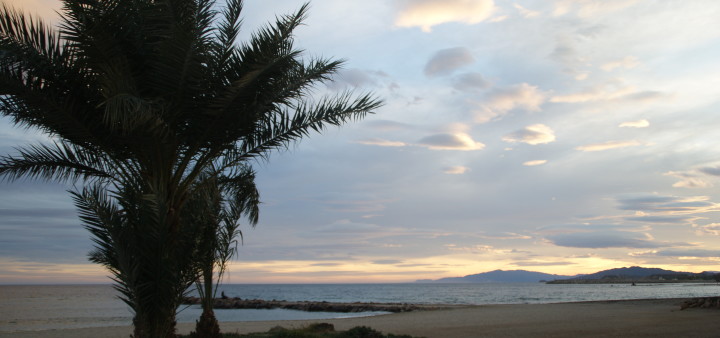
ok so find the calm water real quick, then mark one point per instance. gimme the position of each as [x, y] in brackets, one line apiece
[24, 308]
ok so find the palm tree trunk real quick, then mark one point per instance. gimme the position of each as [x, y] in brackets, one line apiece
[154, 325]
[207, 326]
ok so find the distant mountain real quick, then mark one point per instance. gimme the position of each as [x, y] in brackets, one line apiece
[633, 272]
[605, 276]
[641, 275]
[499, 276]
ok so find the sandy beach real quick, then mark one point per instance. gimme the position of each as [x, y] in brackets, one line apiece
[634, 318]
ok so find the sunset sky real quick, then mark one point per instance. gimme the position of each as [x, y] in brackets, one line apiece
[565, 136]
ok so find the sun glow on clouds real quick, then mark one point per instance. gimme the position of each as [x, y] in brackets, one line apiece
[451, 141]
[24, 272]
[534, 163]
[500, 101]
[456, 170]
[526, 13]
[381, 142]
[628, 62]
[635, 124]
[534, 134]
[428, 13]
[44, 8]
[309, 271]
[688, 180]
[609, 145]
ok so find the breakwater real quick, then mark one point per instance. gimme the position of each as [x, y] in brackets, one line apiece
[312, 306]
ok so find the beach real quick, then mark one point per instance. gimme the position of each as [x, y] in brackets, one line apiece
[627, 318]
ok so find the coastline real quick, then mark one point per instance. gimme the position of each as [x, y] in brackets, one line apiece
[627, 318]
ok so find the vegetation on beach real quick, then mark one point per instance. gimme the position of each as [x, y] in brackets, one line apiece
[317, 330]
[155, 113]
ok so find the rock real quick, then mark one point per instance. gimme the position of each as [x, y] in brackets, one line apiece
[701, 302]
[323, 306]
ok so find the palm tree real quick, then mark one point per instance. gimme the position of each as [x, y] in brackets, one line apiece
[212, 212]
[218, 207]
[146, 102]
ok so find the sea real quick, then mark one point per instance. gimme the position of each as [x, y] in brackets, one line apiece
[45, 307]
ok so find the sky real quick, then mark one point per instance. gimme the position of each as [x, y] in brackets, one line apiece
[565, 136]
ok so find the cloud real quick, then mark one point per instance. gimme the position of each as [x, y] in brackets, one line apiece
[470, 82]
[365, 206]
[635, 124]
[387, 261]
[499, 18]
[590, 8]
[51, 213]
[445, 61]
[428, 13]
[477, 249]
[644, 96]
[604, 239]
[612, 91]
[526, 13]
[714, 171]
[594, 94]
[627, 62]
[651, 202]
[534, 163]
[670, 219]
[534, 134]
[710, 229]
[456, 170]
[688, 180]
[504, 235]
[502, 100]
[345, 226]
[381, 142]
[326, 264]
[668, 204]
[608, 145]
[682, 253]
[692, 183]
[566, 54]
[355, 78]
[387, 125]
[451, 141]
[541, 263]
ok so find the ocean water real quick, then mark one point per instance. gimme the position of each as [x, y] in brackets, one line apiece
[42, 307]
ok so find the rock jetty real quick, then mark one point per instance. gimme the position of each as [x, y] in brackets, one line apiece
[701, 302]
[238, 303]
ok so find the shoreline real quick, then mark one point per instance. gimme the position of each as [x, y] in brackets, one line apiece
[627, 318]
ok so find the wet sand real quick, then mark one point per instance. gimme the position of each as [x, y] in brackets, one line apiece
[633, 318]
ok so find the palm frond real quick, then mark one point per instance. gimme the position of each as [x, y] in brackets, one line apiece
[227, 32]
[60, 161]
[37, 71]
[26, 36]
[241, 193]
[279, 130]
[105, 222]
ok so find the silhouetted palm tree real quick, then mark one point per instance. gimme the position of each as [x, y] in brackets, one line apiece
[225, 202]
[146, 101]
